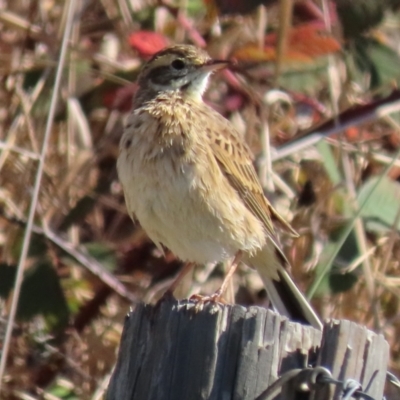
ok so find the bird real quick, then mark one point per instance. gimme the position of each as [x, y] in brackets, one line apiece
[188, 178]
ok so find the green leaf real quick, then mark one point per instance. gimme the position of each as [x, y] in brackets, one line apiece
[103, 254]
[376, 60]
[84, 206]
[305, 78]
[337, 280]
[41, 294]
[62, 389]
[329, 161]
[381, 207]
[359, 16]
[78, 213]
[37, 246]
[7, 279]
[32, 77]
[342, 282]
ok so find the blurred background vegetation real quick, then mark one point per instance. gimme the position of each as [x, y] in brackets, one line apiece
[314, 92]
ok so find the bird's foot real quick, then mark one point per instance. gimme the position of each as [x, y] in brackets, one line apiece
[201, 301]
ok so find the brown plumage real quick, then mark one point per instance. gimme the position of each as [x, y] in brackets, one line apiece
[189, 178]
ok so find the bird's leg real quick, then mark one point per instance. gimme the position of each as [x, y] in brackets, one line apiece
[229, 275]
[186, 268]
[216, 297]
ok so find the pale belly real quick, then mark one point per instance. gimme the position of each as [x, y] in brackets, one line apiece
[198, 222]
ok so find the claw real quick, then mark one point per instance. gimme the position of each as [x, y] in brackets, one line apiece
[201, 301]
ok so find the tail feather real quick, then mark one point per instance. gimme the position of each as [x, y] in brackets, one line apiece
[282, 291]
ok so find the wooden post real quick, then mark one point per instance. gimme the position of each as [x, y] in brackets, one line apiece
[224, 352]
[351, 351]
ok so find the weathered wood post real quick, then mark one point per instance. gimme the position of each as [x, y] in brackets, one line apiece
[225, 352]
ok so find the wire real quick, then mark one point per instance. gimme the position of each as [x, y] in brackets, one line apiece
[308, 379]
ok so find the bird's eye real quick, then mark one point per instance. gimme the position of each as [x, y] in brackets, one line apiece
[178, 64]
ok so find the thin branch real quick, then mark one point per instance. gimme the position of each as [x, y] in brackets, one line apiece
[78, 253]
[351, 117]
[28, 231]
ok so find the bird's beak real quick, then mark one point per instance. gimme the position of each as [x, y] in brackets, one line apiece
[214, 65]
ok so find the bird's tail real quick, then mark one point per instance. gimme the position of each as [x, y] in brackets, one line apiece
[282, 291]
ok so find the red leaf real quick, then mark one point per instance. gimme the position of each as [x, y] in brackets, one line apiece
[308, 41]
[147, 43]
[304, 44]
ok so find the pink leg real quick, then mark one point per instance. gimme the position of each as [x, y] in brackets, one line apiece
[218, 294]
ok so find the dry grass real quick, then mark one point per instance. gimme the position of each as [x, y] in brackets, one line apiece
[87, 262]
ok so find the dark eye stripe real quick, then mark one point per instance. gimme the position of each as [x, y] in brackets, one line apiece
[162, 75]
[158, 75]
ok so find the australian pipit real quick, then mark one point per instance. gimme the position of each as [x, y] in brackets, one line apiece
[189, 179]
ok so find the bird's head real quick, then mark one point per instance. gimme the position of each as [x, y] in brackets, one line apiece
[183, 68]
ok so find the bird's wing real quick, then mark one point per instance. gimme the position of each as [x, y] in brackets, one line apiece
[236, 162]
